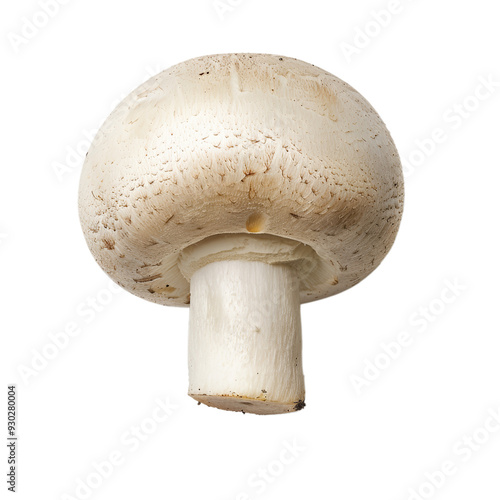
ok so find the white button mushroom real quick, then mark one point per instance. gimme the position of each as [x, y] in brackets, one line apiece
[242, 185]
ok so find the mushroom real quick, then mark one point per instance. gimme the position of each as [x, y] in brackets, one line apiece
[242, 185]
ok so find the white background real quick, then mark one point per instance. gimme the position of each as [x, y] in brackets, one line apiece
[420, 71]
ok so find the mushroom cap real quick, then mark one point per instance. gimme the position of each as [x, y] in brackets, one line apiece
[240, 143]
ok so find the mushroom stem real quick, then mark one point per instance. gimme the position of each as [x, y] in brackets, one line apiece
[245, 346]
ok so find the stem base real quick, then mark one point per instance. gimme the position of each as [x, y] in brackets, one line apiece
[247, 405]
